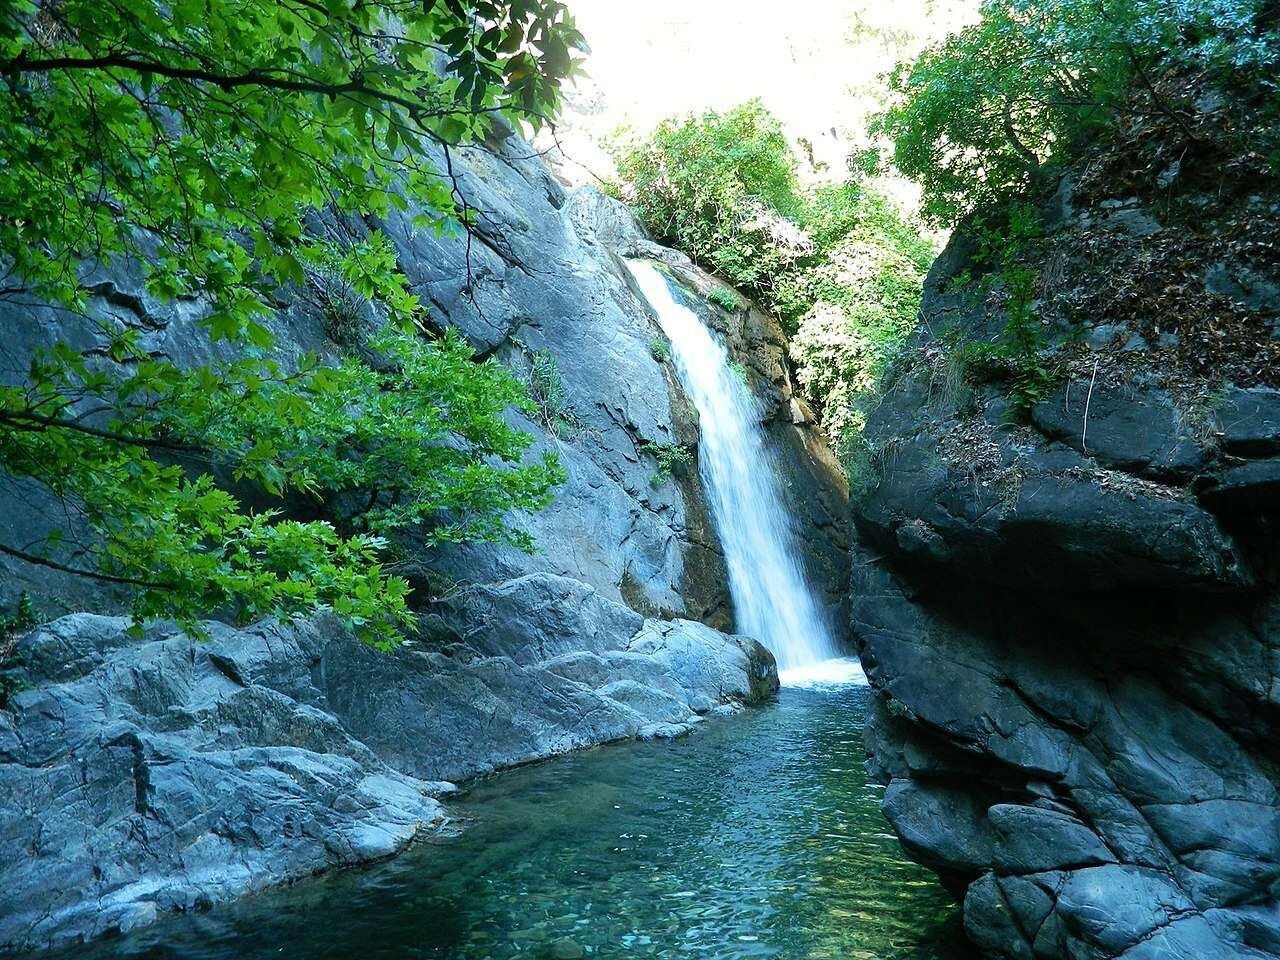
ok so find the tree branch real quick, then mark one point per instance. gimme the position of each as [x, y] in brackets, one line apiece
[54, 565]
[252, 78]
[26, 420]
[1029, 158]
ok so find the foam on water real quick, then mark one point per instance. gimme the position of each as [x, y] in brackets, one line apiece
[840, 672]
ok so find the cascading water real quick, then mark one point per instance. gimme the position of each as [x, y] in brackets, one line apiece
[772, 601]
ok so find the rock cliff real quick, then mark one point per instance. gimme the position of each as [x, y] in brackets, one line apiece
[139, 775]
[145, 775]
[1070, 614]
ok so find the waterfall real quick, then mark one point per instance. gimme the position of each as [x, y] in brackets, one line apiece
[772, 600]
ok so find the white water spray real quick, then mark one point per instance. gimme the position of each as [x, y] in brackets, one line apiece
[772, 601]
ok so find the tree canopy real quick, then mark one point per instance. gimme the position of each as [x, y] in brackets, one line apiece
[715, 186]
[203, 142]
[979, 117]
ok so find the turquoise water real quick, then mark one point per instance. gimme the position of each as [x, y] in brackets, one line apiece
[757, 836]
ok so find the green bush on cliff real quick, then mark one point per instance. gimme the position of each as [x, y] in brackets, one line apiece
[980, 117]
[201, 142]
[718, 186]
[670, 459]
[838, 264]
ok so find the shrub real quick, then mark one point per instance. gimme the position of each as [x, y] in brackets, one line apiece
[659, 349]
[724, 299]
[718, 186]
[1017, 358]
[344, 314]
[546, 388]
[670, 458]
[12, 627]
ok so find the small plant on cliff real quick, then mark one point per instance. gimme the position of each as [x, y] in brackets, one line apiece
[659, 349]
[12, 627]
[546, 387]
[670, 458]
[1017, 358]
[724, 299]
[331, 289]
[200, 144]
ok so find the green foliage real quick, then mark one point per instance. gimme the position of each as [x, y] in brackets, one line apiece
[550, 402]
[978, 117]
[838, 264]
[718, 186]
[853, 305]
[739, 371]
[23, 618]
[12, 626]
[659, 349]
[858, 459]
[1018, 357]
[200, 140]
[215, 126]
[408, 443]
[724, 298]
[671, 458]
[343, 312]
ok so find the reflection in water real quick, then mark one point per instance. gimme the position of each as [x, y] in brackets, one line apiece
[758, 836]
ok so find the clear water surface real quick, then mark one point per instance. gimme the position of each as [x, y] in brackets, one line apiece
[757, 836]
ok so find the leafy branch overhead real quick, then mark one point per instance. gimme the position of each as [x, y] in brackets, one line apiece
[205, 143]
[199, 134]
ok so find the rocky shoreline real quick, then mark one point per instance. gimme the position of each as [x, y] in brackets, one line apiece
[162, 773]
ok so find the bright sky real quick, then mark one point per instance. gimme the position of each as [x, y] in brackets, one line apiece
[814, 63]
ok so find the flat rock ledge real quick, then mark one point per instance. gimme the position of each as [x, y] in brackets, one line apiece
[154, 773]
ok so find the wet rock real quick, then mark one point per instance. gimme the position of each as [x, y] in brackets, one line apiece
[566, 949]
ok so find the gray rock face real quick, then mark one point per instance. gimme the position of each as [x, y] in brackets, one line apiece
[145, 775]
[542, 273]
[1073, 629]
